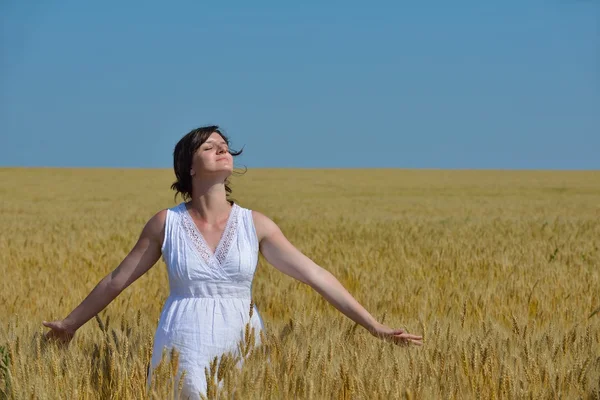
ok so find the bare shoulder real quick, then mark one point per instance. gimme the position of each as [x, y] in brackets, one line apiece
[264, 225]
[155, 227]
[159, 218]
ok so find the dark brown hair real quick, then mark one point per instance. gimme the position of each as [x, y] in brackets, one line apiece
[184, 153]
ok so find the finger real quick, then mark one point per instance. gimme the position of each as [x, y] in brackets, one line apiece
[402, 341]
[409, 336]
[399, 341]
[49, 324]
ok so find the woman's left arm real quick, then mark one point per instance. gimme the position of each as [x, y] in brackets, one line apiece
[280, 253]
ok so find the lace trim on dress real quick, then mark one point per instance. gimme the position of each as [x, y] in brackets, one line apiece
[228, 235]
[199, 242]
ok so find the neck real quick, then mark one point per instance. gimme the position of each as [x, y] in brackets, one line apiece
[210, 202]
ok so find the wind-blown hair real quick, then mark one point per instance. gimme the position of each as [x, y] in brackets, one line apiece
[183, 155]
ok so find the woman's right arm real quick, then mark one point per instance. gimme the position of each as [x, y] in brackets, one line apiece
[140, 259]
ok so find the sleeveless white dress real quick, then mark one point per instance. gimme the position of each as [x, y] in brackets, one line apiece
[210, 294]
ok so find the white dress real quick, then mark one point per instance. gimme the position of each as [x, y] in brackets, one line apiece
[210, 294]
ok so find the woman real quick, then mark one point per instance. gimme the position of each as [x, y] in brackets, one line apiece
[210, 246]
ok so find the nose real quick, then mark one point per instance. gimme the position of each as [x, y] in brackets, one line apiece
[221, 150]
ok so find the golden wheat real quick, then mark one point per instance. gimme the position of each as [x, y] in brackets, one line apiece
[498, 271]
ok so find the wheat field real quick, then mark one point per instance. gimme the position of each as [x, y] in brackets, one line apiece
[498, 270]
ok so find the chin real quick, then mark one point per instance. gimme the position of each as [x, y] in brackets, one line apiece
[226, 171]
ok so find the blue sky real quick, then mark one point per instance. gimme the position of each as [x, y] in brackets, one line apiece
[456, 85]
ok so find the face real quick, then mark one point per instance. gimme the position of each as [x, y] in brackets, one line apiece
[212, 157]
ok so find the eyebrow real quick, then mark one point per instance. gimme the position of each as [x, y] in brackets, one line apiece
[213, 141]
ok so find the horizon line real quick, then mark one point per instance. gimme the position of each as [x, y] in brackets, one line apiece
[2, 167]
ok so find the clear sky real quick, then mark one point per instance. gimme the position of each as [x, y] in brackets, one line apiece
[439, 84]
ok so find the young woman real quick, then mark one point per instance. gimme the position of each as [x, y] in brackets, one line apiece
[210, 246]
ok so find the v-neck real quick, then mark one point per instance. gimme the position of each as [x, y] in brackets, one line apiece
[200, 242]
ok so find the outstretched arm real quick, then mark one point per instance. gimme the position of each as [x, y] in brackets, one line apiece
[140, 259]
[280, 253]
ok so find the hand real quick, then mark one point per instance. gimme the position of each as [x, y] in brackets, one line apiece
[60, 331]
[396, 336]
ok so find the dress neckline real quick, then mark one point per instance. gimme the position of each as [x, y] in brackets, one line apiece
[200, 243]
